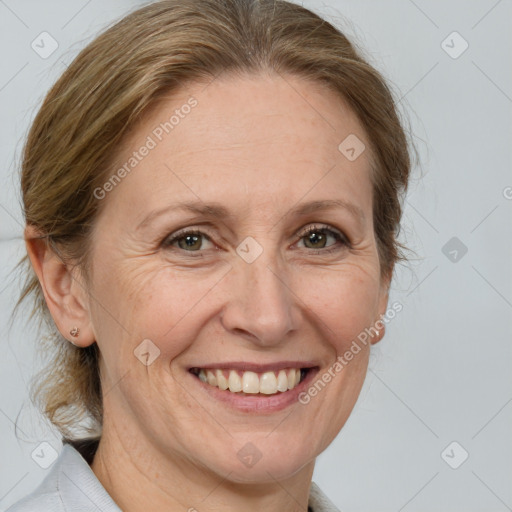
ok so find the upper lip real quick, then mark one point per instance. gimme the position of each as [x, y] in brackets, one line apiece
[256, 367]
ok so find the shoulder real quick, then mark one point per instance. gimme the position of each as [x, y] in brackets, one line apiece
[70, 486]
[38, 501]
[45, 497]
[319, 502]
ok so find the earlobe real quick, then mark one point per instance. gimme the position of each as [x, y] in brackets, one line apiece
[381, 330]
[65, 296]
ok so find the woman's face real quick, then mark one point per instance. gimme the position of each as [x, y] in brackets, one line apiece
[202, 265]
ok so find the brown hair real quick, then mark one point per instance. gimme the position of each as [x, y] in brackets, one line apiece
[117, 78]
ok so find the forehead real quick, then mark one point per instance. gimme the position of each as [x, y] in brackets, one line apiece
[258, 143]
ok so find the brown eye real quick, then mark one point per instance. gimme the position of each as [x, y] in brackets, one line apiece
[190, 241]
[317, 238]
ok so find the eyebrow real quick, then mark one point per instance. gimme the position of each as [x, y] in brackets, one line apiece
[218, 211]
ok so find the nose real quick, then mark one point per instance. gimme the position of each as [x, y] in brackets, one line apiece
[261, 305]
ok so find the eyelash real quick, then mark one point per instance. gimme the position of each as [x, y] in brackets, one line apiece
[324, 229]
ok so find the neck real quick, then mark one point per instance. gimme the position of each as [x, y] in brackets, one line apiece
[175, 483]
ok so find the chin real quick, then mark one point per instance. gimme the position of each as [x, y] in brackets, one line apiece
[265, 460]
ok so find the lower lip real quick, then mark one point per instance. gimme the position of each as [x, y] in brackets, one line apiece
[245, 402]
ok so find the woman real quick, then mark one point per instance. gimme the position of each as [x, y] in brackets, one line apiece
[212, 193]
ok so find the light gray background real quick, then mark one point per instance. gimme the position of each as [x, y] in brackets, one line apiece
[443, 371]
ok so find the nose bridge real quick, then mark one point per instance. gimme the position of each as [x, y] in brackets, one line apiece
[261, 302]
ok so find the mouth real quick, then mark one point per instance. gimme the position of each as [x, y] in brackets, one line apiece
[255, 383]
[251, 388]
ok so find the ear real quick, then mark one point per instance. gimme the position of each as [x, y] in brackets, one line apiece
[65, 295]
[382, 308]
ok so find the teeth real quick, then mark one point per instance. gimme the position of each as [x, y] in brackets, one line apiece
[267, 383]
[210, 377]
[222, 382]
[291, 378]
[235, 382]
[282, 381]
[250, 382]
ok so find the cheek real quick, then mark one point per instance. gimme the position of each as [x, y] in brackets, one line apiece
[152, 301]
[344, 303]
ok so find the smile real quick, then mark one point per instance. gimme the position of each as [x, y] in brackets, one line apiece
[249, 382]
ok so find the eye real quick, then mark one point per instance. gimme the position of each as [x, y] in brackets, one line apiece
[316, 238]
[191, 240]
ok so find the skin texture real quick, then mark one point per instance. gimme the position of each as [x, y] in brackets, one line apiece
[260, 146]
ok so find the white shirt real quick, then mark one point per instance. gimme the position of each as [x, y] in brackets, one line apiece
[72, 486]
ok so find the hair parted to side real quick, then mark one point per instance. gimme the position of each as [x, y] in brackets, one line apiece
[115, 80]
